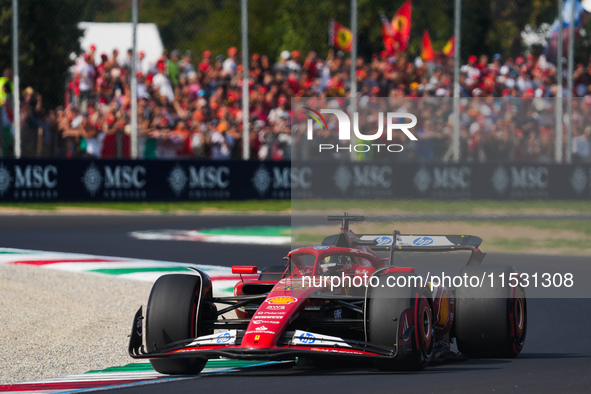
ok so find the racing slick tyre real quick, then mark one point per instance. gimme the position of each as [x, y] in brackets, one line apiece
[490, 321]
[401, 317]
[172, 315]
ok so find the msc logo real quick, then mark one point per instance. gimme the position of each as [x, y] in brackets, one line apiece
[125, 182]
[125, 177]
[35, 176]
[528, 178]
[392, 120]
[29, 181]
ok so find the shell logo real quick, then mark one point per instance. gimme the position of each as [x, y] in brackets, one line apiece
[281, 300]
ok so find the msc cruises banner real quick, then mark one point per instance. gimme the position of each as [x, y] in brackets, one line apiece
[188, 180]
[506, 181]
[142, 180]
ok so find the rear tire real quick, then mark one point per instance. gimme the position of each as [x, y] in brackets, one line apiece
[386, 307]
[172, 316]
[490, 321]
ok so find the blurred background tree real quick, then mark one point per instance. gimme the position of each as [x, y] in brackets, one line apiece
[488, 26]
[48, 34]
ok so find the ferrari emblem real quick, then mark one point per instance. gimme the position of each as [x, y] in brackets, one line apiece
[344, 38]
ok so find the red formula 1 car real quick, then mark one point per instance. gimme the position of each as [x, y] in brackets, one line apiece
[342, 299]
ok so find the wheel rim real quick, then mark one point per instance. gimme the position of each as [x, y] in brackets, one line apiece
[519, 316]
[425, 325]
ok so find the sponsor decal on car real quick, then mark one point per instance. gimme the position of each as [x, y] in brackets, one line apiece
[409, 240]
[260, 330]
[423, 241]
[383, 241]
[295, 286]
[266, 322]
[347, 351]
[307, 338]
[224, 338]
[306, 271]
[281, 300]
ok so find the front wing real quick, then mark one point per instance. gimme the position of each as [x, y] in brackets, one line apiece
[292, 349]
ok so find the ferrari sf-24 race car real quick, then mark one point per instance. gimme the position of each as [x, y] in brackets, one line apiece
[288, 311]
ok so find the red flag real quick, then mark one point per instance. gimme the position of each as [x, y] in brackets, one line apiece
[339, 36]
[449, 48]
[387, 35]
[427, 52]
[401, 26]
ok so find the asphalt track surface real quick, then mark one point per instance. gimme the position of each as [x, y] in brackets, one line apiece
[556, 356]
[109, 236]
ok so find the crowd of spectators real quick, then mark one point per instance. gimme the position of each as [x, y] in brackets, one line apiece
[190, 106]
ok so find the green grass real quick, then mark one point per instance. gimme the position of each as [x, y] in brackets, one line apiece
[309, 239]
[447, 207]
[518, 241]
[162, 207]
[515, 239]
[578, 225]
[517, 245]
[368, 207]
[260, 231]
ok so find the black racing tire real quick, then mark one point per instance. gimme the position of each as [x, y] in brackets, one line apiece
[270, 274]
[490, 321]
[172, 316]
[385, 309]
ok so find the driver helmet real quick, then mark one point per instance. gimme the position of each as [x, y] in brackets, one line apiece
[335, 264]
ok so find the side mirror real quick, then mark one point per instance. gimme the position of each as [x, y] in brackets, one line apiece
[238, 269]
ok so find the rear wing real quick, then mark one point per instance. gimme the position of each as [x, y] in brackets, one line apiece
[421, 242]
[402, 242]
[425, 243]
[411, 243]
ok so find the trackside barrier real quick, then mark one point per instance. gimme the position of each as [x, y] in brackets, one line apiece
[192, 180]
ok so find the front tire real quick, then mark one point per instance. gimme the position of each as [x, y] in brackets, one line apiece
[389, 308]
[172, 315]
[490, 321]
